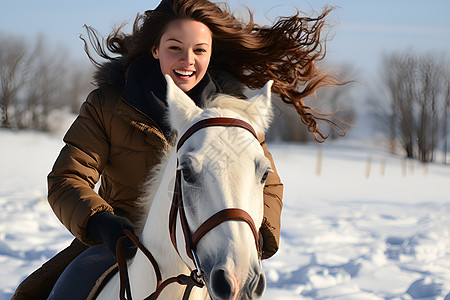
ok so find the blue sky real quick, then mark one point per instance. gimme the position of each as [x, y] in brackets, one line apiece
[363, 30]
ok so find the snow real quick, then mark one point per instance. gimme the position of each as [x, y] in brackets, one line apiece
[347, 232]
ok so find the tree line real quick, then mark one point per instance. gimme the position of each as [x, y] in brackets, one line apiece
[416, 112]
[36, 79]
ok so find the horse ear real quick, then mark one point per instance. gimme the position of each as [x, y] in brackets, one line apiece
[261, 107]
[182, 109]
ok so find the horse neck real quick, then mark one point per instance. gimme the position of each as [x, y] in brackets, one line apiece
[155, 235]
[156, 238]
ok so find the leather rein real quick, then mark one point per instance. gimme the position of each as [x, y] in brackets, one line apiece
[191, 240]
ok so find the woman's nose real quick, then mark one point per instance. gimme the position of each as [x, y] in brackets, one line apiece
[188, 57]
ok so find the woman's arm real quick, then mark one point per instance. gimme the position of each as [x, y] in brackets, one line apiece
[273, 195]
[77, 169]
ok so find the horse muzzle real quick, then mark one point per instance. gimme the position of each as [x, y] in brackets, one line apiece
[225, 285]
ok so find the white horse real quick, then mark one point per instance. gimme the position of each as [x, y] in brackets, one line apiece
[222, 168]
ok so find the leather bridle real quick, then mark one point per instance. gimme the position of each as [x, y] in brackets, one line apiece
[191, 239]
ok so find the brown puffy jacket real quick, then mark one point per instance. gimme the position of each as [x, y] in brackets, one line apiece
[114, 141]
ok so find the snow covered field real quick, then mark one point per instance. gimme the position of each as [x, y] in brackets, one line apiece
[344, 236]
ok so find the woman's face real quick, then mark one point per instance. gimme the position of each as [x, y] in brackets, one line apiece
[184, 52]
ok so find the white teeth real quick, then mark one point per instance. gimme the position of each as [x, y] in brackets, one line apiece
[184, 73]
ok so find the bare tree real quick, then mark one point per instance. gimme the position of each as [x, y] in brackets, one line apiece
[417, 91]
[400, 80]
[446, 112]
[78, 86]
[12, 58]
[286, 125]
[37, 79]
[430, 88]
[338, 100]
[48, 84]
[334, 101]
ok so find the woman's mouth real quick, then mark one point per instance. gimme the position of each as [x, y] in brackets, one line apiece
[184, 74]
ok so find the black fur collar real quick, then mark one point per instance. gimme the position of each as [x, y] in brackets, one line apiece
[112, 73]
[144, 87]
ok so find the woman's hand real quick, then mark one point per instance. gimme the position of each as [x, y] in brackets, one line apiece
[107, 228]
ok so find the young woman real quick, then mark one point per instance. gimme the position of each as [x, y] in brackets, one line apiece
[121, 133]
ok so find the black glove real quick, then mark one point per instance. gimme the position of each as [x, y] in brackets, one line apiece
[108, 228]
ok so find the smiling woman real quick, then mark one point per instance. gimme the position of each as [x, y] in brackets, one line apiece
[184, 52]
[122, 131]
[285, 52]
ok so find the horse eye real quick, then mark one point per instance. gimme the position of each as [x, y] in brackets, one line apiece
[264, 178]
[187, 175]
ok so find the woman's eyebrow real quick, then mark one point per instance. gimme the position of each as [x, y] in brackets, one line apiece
[178, 41]
[174, 39]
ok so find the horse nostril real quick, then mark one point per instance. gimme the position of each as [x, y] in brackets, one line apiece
[258, 285]
[220, 284]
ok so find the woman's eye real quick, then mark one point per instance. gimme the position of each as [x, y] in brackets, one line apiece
[175, 48]
[200, 51]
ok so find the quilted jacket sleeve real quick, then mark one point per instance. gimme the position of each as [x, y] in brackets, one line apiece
[273, 195]
[78, 167]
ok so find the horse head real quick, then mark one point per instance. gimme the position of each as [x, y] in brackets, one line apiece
[222, 169]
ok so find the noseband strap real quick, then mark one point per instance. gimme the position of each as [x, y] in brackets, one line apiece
[229, 214]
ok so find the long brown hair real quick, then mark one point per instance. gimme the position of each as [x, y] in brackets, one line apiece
[285, 52]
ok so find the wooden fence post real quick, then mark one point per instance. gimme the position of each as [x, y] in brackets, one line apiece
[319, 161]
[368, 166]
[404, 167]
[383, 167]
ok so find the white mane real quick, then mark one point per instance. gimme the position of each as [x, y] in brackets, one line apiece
[151, 185]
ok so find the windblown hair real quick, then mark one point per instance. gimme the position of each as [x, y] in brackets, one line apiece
[285, 52]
